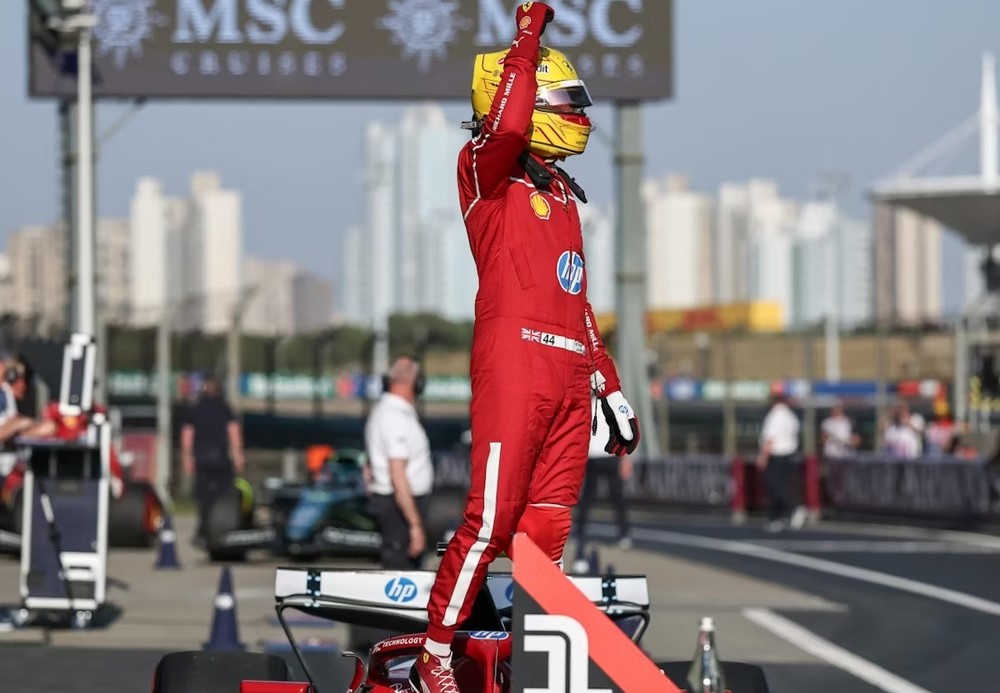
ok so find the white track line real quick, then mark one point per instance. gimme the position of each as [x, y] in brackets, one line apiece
[873, 577]
[807, 641]
[862, 546]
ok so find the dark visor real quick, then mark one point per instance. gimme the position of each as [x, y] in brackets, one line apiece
[564, 97]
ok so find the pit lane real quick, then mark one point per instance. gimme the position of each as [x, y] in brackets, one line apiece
[927, 643]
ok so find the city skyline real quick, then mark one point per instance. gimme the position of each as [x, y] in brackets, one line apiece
[179, 256]
[410, 253]
[741, 110]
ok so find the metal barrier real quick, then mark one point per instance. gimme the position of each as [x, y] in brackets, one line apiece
[695, 480]
[939, 488]
[932, 487]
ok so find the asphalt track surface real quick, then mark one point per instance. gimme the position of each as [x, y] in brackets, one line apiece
[924, 642]
[919, 611]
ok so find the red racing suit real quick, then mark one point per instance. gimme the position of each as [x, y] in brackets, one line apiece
[535, 350]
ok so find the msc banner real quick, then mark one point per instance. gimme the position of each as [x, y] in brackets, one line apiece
[378, 49]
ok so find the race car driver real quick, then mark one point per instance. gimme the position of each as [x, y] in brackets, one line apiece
[536, 352]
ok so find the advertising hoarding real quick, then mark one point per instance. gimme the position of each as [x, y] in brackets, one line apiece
[365, 49]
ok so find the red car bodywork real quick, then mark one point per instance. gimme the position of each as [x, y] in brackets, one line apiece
[481, 661]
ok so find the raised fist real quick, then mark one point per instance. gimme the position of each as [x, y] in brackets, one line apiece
[532, 17]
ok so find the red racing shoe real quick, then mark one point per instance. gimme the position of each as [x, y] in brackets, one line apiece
[433, 674]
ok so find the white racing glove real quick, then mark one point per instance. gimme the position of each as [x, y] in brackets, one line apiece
[623, 424]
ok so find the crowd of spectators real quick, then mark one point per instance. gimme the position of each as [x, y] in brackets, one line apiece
[903, 435]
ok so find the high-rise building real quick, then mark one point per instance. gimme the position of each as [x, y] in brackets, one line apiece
[37, 256]
[730, 244]
[752, 245]
[183, 273]
[428, 147]
[679, 245]
[5, 287]
[149, 226]
[381, 270]
[217, 234]
[34, 277]
[113, 275]
[186, 254]
[412, 255]
[599, 251]
[286, 299]
[312, 302]
[832, 267]
[453, 284]
[908, 266]
[270, 309]
[352, 276]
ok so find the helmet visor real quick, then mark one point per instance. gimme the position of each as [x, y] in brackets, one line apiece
[570, 96]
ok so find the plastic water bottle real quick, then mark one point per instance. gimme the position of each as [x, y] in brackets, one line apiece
[705, 674]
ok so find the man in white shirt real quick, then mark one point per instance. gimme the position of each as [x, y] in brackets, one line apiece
[402, 474]
[779, 447]
[837, 431]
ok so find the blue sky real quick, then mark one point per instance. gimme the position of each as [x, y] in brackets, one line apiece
[787, 89]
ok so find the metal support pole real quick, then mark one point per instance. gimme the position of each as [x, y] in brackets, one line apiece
[271, 368]
[729, 448]
[882, 389]
[85, 192]
[319, 350]
[832, 330]
[809, 413]
[101, 356]
[67, 162]
[164, 439]
[380, 351]
[631, 276]
[233, 358]
[961, 379]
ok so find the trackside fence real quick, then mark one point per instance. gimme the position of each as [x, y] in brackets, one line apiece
[940, 488]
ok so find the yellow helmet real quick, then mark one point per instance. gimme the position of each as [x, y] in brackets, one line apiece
[560, 127]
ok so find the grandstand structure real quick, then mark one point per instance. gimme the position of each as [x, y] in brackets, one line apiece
[970, 206]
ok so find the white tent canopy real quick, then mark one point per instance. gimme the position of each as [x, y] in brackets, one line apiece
[964, 204]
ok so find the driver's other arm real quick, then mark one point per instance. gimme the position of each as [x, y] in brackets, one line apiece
[14, 427]
[407, 505]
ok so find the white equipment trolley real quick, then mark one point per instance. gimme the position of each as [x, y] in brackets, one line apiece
[64, 545]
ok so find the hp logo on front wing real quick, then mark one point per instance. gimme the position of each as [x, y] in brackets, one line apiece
[401, 590]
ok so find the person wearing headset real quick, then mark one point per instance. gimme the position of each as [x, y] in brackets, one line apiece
[401, 471]
[12, 423]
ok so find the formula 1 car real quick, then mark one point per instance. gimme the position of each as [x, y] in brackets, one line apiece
[134, 514]
[325, 517]
[484, 648]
